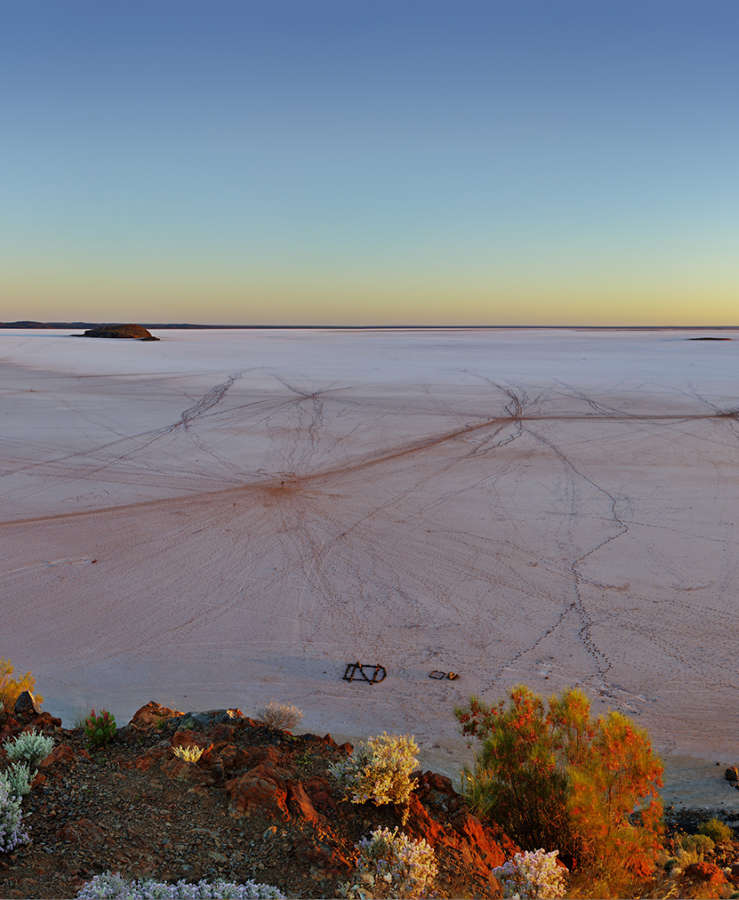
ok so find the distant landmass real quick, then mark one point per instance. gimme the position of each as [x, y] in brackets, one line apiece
[129, 332]
[160, 325]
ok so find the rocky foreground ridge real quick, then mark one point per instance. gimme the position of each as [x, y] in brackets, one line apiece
[258, 804]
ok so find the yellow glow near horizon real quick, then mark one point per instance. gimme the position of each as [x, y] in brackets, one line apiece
[588, 295]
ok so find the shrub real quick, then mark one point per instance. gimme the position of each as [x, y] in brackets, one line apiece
[283, 716]
[18, 778]
[556, 777]
[717, 830]
[693, 848]
[11, 820]
[31, 746]
[11, 688]
[379, 770]
[114, 887]
[189, 754]
[391, 864]
[532, 874]
[100, 730]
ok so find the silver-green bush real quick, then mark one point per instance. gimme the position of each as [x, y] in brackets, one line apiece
[115, 887]
[18, 778]
[391, 864]
[31, 746]
[12, 833]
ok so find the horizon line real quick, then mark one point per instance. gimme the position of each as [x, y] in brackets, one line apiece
[31, 324]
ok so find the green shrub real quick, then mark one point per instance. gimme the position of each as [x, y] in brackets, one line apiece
[696, 846]
[100, 729]
[717, 830]
[31, 746]
[553, 777]
[379, 770]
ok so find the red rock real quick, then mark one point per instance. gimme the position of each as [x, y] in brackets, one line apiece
[43, 722]
[153, 756]
[81, 831]
[223, 732]
[464, 836]
[185, 771]
[439, 782]
[269, 755]
[62, 753]
[227, 757]
[188, 738]
[151, 714]
[705, 873]
[319, 791]
[38, 780]
[329, 859]
[347, 748]
[11, 726]
[261, 788]
[299, 804]
[246, 722]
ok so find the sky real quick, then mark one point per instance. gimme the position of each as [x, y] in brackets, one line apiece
[370, 162]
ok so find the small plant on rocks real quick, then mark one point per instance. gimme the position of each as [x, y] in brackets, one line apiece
[391, 864]
[718, 831]
[11, 820]
[283, 716]
[100, 729]
[379, 770]
[31, 746]
[115, 887]
[189, 754]
[532, 874]
[18, 779]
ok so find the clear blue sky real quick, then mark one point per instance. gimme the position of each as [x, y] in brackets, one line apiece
[370, 162]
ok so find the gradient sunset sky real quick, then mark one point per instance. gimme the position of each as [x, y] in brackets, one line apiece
[370, 162]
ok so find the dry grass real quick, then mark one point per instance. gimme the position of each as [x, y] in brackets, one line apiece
[283, 716]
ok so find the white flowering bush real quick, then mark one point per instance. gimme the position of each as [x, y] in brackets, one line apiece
[532, 874]
[115, 887]
[283, 716]
[391, 864]
[379, 770]
[31, 746]
[11, 820]
[189, 754]
[18, 778]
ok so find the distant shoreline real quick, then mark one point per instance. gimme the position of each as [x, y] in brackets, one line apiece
[29, 325]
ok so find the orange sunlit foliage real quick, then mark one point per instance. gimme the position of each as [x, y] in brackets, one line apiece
[554, 777]
[11, 688]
